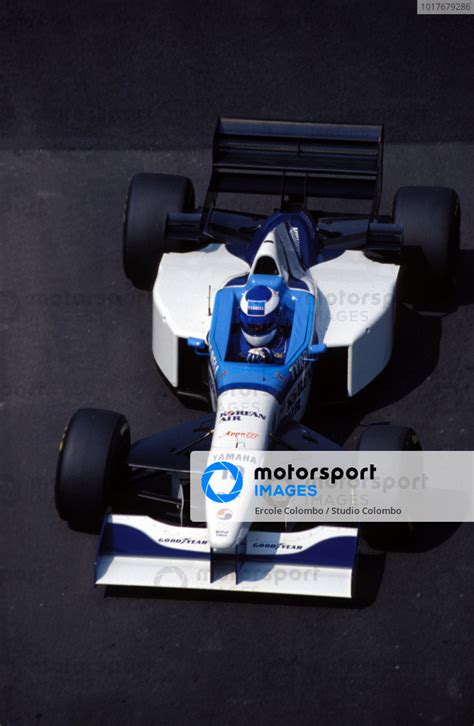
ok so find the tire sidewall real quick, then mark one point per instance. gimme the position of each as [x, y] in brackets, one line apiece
[150, 198]
[430, 218]
[92, 462]
[386, 437]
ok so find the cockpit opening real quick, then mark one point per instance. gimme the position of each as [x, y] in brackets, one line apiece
[266, 265]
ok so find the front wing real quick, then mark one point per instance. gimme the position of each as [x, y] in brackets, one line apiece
[141, 551]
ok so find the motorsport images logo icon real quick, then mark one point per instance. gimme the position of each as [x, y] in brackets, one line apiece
[231, 470]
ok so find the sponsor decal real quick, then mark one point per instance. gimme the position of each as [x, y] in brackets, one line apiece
[295, 234]
[217, 371]
[242, 434]
[213, 361]
[275, 546]
[300, 365]
[247, 458]
[256, 307]
[181, 541]
[233, 471]
[237, 415]
[294, 400]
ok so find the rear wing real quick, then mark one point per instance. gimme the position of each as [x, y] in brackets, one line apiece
[296, 160]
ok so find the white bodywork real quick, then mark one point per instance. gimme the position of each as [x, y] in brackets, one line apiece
[356, 310]
[183, 297]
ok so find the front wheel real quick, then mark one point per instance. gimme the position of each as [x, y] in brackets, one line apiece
[92, 463]
[385, 437]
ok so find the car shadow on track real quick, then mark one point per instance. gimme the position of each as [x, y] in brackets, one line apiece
[414, 358]
[413, 538]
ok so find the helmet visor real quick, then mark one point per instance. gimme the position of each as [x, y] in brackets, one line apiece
[258, 328]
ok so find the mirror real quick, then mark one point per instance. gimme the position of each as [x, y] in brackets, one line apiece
[199, 345]
[314, 350]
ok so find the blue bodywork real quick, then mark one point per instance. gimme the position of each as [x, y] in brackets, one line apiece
[304, 240]
[275, 378]
[298, 312]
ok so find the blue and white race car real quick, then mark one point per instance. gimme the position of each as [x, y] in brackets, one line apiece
[248, 308]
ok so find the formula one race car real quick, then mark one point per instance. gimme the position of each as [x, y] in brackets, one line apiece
[248, 307]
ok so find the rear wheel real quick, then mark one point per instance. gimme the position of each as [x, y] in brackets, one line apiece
[92, 463]
[382, 437]
[430, 217]
[151, 197]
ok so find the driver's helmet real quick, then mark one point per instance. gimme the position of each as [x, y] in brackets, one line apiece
[259, 313]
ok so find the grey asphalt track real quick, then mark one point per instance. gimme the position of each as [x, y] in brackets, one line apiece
[153, 74]
[115, 76]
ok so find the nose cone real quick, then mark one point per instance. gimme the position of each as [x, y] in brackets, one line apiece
[227, 505]
[225, 534]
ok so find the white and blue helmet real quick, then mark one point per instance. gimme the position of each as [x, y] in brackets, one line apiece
[259, 313]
